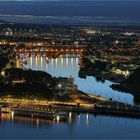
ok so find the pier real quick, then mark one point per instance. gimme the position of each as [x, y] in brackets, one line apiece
[54, 110]
[42, 113]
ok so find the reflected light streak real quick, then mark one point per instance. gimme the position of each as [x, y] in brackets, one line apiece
[52, 63]
[72, 62]
[56, 62]
[70, 117]
[37, 122]
[78, 118]
[64, 64]
[36, 63]
[58, 118]
[77, 60]
[12, 115]
[67, 63]
[87, 119]
[41, 62]
[31, 61]
[61, 63]
[47, 65]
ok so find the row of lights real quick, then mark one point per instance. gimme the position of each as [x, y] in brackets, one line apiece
[52, 50]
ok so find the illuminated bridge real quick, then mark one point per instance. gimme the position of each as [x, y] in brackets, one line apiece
[51, 50]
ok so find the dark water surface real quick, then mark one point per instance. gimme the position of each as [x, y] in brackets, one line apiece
[82, 126]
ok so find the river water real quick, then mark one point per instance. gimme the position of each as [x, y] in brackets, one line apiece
[68, 65]
[78, 126]
[82, 126]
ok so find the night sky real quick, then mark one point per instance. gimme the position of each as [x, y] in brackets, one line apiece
[106, 10]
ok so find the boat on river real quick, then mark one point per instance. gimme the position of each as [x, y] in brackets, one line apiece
[44, 114]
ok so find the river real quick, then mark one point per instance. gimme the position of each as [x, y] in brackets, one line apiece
[78, 126]
[82, 126]
[68, 65]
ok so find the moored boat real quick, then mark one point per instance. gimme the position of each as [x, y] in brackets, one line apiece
[47, 114]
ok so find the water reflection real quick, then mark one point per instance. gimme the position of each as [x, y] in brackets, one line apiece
[35, 67]
[87, 119]
[31, 58]
[68, 65]
[77, 126]
[72, 118]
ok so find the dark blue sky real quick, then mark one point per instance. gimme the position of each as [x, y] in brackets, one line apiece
[69, 0]
[118, 10]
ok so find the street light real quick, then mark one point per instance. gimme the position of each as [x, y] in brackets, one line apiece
[59, 85]
[2, 73]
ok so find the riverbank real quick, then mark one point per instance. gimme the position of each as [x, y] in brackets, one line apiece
[131, 84]
[124, 81]
[101, 76]
[38, 85]
[101, 69]
[123, 87]
[111, 108]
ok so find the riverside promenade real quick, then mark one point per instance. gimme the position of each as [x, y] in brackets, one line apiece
[104, 107]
